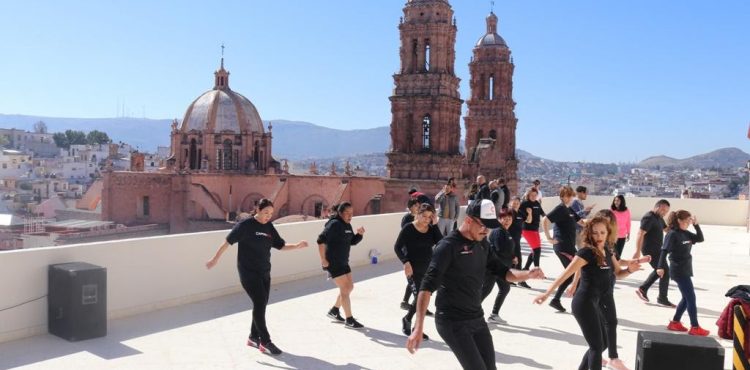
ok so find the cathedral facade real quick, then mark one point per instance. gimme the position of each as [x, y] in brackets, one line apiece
[222, 161]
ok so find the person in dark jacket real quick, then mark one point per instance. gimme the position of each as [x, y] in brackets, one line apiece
[256, 236]
[413, 248]
[677, 246]
[413, 209]
[336, 240]
[502, 244]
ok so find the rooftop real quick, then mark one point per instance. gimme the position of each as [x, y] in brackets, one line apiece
[211, 333]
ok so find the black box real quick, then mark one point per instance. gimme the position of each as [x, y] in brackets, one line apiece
[77, 301]
[660, 351]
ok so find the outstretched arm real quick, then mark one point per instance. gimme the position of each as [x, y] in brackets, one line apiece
[572, 268]
[289, 247]
[215, 259]
[415, 339]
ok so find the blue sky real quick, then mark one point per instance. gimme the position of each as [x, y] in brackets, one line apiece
[594, 80]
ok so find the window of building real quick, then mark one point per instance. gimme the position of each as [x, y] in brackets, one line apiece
[426, 123]
[146, 206]
[227, 155]
[318, 209]
[427, 52]
[491, 92]
[493, 134]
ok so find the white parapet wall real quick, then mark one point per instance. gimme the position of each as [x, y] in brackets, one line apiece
[147, 274]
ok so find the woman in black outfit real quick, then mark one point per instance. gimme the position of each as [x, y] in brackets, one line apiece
[414, 248]
[597, 265]
[413, 209]
[503, 246]
[515, 230]
[334, 245]
[677, 245]
[564, 239]
[256, 236]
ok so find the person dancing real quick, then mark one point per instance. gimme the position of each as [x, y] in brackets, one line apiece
[597, 265]
[502, 245]
[335, 243]
[256, 236]
[414, 249]
[677, 246]
[622, 215]
[532, 212]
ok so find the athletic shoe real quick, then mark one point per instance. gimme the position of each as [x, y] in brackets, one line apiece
[676, 326]
[512, 284]
[352, 323]
[269, 348]
[665, 302]
[555, 303]
[253, 342]
[334, 315]
[697, 330]
[495, 319]
[429, 313]
[425, 337]
[405, 326]
[616, 364]
[641, 293]
[405, 305]
[524, 285]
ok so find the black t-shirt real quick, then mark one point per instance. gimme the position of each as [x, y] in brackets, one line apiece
[416, 247]
[565, 228]
[502, 245]
[536, 214]
[678, 244]
[653, 225]
[517, 226]
[338, 237]
[595, 280]
[255, 243]
[457, 272]
[408, 217]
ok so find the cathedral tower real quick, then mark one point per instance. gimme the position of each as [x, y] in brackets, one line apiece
[426, 106]
[490, 121]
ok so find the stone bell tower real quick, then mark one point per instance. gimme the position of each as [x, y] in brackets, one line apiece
[426, 106]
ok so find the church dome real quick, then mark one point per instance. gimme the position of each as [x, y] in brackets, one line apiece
[491, 38]
[221, 110]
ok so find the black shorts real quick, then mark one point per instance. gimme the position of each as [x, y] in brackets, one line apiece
[336, 271]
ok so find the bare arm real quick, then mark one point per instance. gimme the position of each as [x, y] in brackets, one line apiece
[215, 259]
[639, 244]
[574, 285]
[572, 268]
[289, 247]
[546, 225]
[415, 339]
[631, 266]
[515, 276]
[322, 252]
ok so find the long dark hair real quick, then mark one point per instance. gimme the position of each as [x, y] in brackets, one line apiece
[622, 207]
[588, 238]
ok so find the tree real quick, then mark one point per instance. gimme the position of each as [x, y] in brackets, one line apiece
[4, 141]
[97, 137]
[61, 140]
[75, 137]
[40, 127]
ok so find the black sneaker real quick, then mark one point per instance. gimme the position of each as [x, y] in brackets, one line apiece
[429, 313]
[665, 302]
[269, 348]
[253, 342]
[555, 303]
[405, 306]
[524, 285]
[425, 337]
[352, 323]
[335, 316]
[641, 293]
[405, 326]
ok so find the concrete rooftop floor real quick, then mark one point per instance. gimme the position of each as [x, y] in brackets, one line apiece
[211, 334]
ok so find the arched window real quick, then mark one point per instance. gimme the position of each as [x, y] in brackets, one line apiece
[194, 159]
[426, 123]
[493, 134]
[227, 155]
[427, 55]
[491, 92]
[414, 53]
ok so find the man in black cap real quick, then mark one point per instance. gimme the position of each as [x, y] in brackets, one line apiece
[457, 271]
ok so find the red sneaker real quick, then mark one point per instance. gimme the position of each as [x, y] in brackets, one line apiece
[677, 326]
[697, 330]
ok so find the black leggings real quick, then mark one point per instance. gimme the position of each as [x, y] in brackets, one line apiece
[415, 281]
[503, 290]
[258, 285]
[470, 341]
[565, 262]
[534, 256]
[587, 312]
[517, 251]
[652, 277]
[609, 318]
[619, 247]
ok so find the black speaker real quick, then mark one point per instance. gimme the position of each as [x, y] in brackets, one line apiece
[659, 351]
[77, 301]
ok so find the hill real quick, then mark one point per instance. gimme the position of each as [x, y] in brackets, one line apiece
[721, 158]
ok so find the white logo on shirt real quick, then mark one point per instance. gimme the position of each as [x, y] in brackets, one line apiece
[258, 233]
[348, 232]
